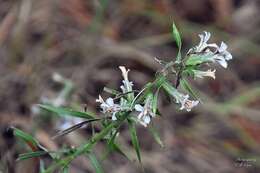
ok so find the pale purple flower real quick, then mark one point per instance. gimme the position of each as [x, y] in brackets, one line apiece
[186, 103]
[222, 55]
[109, 106]
[145, 114]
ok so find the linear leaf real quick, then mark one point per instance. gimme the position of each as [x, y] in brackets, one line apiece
[169, 89]
[156, 136]
[113, 146]
[95, 163]
[111, 91]
[185, 85]
[25, 137]
[195, 59]
[134, 139]
[177, 37]
[65, 169]
[29, 140]
[155, 101]
[67, 112]
[30, 155]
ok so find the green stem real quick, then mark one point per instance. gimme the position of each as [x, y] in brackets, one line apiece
[86, 147]
[160, 79]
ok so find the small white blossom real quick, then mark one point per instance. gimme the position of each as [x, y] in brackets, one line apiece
[203, 45]
[109, 106]
[145, 114]
[222, 55]
[212, 52]
[201, 74]
[186, 103]
[127, 85]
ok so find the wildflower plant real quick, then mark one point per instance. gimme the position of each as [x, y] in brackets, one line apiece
[132, 107]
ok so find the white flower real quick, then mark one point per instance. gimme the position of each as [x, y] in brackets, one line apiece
[186, 103]
[212, 52]
[203, 45]
[109, 106]
[201, 74]
[222, 55]
[127, 85]
[124, 72]
[145, 114]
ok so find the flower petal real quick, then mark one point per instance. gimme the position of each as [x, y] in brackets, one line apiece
[207, 36]
[223, 47]
[147, 119]
[221, 60]
[110, 101]
[114, 116]
[139, 108]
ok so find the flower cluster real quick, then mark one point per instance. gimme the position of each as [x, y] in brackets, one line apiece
[206, 52]
[212, 52]
[109, 107]
[203, 53]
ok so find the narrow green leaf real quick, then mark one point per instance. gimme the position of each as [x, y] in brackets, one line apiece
[156, 136]
[118, 149]
[29, 140]
[177, 37]
[113, 146]
[65, 169]
[111, 91]
[188, 72]
[186, 86]
[25, 136]
[67, 112]
[30, 155]
[95, 163]
[167, 86]
[159, 80]
[195, 59]
[134, 139]
[155, 101]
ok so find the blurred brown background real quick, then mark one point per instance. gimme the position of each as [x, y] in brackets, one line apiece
[86, 41]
